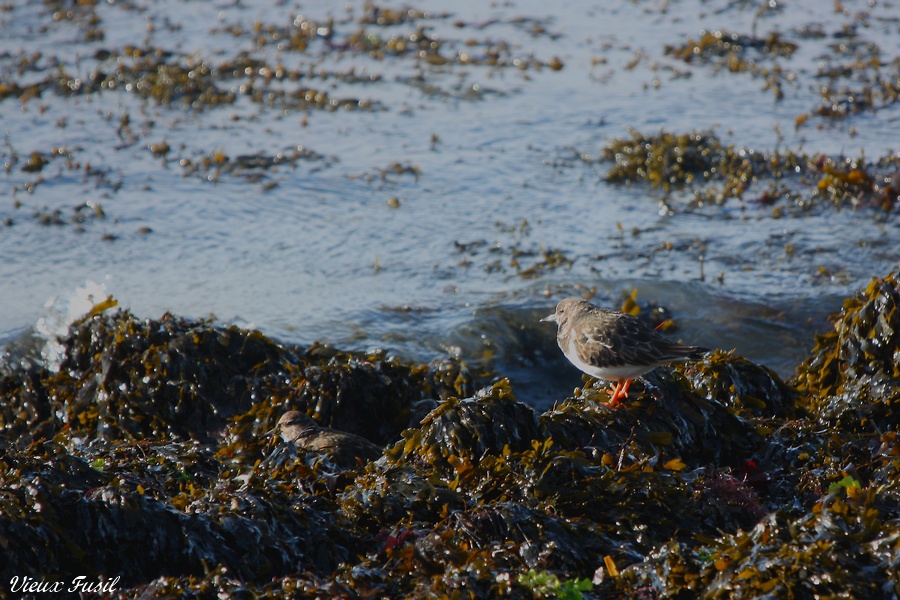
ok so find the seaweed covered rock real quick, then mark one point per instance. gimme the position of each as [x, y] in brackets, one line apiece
[139, 511]
[742, 386]
[370, 395]
[435, 466]
[477, 552]
[852, 389]
[145, 458]
[666, 418]
[175, 379]
[478, 492]
[470, 429]
[158, 462]
[28, 407]
[843, 547]
[487, 466]
[852, 378]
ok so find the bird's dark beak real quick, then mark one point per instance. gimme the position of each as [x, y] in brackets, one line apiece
[273, 431]
[551, 318]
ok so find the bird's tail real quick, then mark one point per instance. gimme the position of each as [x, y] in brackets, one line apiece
[682, 352]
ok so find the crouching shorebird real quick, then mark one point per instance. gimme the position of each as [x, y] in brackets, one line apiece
[345, 449]
[611, 345]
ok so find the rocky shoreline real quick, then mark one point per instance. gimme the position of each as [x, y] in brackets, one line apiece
[142, 467]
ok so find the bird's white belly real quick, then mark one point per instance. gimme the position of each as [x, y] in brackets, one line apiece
[615, 373]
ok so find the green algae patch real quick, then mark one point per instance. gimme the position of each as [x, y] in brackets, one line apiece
[147, 457]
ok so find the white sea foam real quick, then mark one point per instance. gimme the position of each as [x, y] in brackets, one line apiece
[61, 312]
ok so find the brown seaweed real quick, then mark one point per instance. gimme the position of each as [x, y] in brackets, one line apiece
[142, 465]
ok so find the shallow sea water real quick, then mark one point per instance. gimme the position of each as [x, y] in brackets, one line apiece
[491, 168]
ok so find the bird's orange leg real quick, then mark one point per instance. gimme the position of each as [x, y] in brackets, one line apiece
[620, 392]
[615, 392]
[614, 389]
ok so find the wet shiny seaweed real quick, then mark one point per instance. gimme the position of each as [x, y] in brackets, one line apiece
[719, 173]
[856, 74]
[739, 53]
[170, 78]
[145, 456]
[512, 252]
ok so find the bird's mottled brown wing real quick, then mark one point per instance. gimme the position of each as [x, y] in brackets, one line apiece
[618, 339]
[345, 449]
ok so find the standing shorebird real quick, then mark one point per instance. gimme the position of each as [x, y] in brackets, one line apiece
[345, 449]
[611, 345]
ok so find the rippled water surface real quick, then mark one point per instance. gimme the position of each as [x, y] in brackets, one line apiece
[415, 215]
